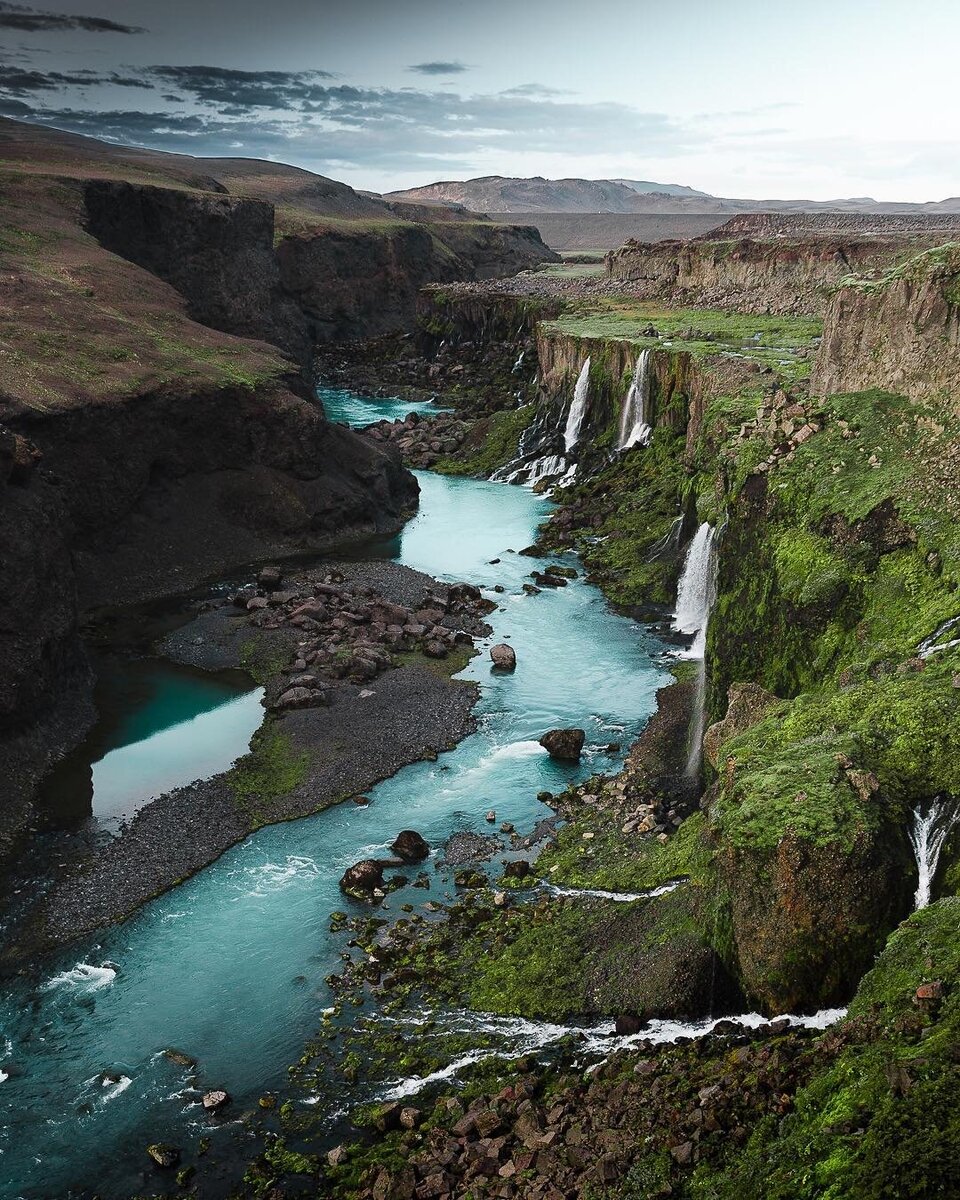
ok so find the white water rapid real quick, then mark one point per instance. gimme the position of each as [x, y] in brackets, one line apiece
[578, 408]
[520, 1036]
[635, 417]
[928, 836]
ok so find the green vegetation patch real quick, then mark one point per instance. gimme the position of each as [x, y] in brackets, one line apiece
[881, 1121]
[271, 770]
[492, 443]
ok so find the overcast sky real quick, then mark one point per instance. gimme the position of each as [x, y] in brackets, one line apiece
[753, 98]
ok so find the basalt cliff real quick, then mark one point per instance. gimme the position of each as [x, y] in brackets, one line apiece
[772, 263]
[157, 417]
[784, 835]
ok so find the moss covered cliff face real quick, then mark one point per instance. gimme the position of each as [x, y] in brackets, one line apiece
[879, 1119]
[838, 560]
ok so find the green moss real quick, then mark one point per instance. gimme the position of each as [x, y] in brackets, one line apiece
[270, 771]
[781, 343]
[493, 443]
[881, 1120]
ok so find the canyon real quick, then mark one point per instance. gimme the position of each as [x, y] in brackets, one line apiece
[708, 493]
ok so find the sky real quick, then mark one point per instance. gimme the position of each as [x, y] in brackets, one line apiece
[750, 98]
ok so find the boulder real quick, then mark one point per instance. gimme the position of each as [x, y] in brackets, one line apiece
[565, 744]
[410, 846]
[365, 876]
[504, 657]
[270, 578]
[299, 697]
[215, 1100]
[163, 1155]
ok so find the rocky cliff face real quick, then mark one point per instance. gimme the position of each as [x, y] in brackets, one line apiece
[106, 504]
[334, 281]
[365, 282]
[216, 250]
[900, 333]
[774, 275]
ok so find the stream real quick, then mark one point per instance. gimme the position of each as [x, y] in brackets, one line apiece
[229, 967]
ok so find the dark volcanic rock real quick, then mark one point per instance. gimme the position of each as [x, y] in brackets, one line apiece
[566, 744]
[504, 657]
[410, 846]
[364, 876]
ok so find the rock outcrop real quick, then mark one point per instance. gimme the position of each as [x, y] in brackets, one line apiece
[899, 333]
[765, 271]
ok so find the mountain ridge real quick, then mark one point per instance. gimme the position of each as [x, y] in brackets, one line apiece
[536, 194]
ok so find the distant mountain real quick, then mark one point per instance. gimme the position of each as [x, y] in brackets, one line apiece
[502, 194]
[497, 193]
[664, 189]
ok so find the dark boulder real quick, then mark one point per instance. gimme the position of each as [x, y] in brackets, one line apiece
[565, 744]
[410, 846]
[504, 657]
[364, 877]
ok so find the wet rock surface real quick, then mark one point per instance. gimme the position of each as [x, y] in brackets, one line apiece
[564, 744]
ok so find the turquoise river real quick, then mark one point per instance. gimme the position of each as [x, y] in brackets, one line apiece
[229, 967]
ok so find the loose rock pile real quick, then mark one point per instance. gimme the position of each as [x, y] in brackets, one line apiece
[351, 632]
[786, 423]
[641, 1121]
[422, 441]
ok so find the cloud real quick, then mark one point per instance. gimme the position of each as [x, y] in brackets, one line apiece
[536, 90]
[21, 82]
[246, 89]
[30, 20]
[384, 129]
[439, 68]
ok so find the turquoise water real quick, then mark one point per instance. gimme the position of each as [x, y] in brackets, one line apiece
[341, 405]
[161, 726]
[230, 966]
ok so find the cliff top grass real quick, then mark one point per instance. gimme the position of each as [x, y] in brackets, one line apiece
[782, 343]
[914, 268]
[79, 323]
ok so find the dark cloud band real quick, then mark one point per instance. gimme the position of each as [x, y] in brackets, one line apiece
[30, 20]
[439, 68]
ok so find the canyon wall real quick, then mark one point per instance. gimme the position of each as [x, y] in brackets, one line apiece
[753, 274]
[899, 333]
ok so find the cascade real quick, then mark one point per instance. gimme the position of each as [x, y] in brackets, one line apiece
[695, 597]
[928, 837]
[578, 408]
[635, 417]
[696, 591]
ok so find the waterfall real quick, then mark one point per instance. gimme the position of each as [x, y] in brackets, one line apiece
[635, 417]
[928, 836]
[695, 596]
[696, 592]
[578, 408]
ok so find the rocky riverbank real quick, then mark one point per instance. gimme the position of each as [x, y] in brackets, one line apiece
[830, 694]
[356, 660]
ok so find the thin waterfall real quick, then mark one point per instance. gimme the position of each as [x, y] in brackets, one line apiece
[635, 417]
[696, 594]
[578, 408]
[696, 591]
[928, 837]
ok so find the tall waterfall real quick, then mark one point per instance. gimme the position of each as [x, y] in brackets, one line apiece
[635, 417]
[695, 596]
[696, 592]
[928, 836]
[578, 408]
